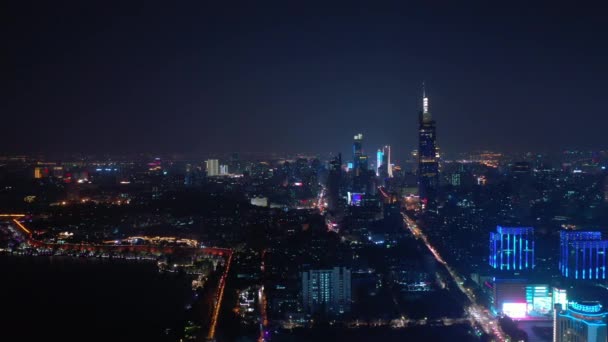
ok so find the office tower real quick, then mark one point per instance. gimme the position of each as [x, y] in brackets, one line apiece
[387, 160]
[579, 322]
[363, 164]
[334, 181]
[223, 170]
[213, 167]
[326, 291]
[358, 154]
[512, 248]
[385, 169]
[428, 167]
[582, 255]
[379, 161]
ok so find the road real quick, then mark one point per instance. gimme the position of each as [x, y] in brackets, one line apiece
[475, 311]
[263, 304]
[218, 300]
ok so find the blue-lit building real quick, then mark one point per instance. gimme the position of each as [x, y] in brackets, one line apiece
[582, 255]
[579, 322]
[379, 161]
[512, 248]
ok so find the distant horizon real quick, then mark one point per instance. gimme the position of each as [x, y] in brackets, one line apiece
[279, 155]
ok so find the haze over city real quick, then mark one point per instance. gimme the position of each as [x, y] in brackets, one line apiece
[202, 77]
[295, 172]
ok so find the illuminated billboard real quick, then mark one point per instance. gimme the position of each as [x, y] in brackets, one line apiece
[515, 310]
[539, 300]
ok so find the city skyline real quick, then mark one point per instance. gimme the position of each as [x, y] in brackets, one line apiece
[284, 171]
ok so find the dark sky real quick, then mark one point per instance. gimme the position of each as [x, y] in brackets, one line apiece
[221, 76]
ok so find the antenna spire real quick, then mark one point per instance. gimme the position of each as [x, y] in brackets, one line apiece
[425, 100]
[423, 90]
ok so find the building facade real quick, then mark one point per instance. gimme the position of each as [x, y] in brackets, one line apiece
[512, 248]
[326, 291]
[579, 322]
[379, 161]
[582, 255]
[213, 167]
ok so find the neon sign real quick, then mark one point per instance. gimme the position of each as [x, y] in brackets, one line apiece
[586, 308]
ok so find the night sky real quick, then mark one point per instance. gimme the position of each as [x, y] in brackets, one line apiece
[299, 76]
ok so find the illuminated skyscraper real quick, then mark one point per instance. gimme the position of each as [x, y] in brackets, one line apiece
[384, 167]
[428, 166]
[223, 170]
[512, 248]
[387, 160]
[213, 167]
[582, 255]
[379, 161]
[579, 322]
[357, 153]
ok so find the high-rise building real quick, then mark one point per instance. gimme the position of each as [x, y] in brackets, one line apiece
[579, 322]
[326, 291]
[363, 164]
[358, 154]
[334, 181]
[428, 166]
[512, 248]
[379, 161]
[213, 167]
[387, 160]
[582, 255]
[384, 167]
[223, 170]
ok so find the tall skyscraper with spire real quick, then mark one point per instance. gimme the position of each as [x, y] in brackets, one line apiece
[428, 166]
